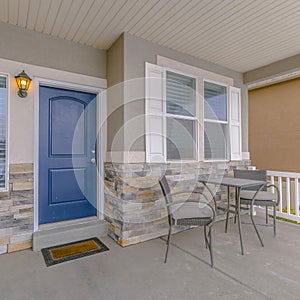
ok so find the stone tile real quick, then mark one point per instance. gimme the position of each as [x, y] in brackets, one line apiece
[25, 227]
[5, 207]
[21, 186]
[23, 202]
[130, 189]
[18, 195]
[28, 209]
[21, 238]
[4, 195]
[3, 249]
[145, 194]
[20, 168]
[130, 241]
[4, 240]
[22, 208]
[19, 246]
[134, 202]
[6, 231]
[20, 216]
[10, 222]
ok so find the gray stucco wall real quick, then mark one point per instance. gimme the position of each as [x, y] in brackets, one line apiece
[115, 95]
[139, 51]
[34, 48]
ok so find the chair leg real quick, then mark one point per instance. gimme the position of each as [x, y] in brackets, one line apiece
[227, 210]
[236, 208]
[251, 216]
[205, 237]
[210, 247]
[266, 214]
[168, 243]
[274, 220]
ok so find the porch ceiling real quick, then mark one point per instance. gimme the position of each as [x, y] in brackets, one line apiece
[238, 34]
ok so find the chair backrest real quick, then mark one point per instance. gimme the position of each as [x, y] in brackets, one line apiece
[165, 187]
[251, 174]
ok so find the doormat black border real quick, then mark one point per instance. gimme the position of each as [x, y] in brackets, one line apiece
[51, 262]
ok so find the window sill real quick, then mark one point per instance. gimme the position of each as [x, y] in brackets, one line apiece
[181, 161]
[216, 160]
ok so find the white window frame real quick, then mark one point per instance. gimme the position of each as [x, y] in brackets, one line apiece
[196, 118]
[6, 188]
[227, 158]
[200, 75]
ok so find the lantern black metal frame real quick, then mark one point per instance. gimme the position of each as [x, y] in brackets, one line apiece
[23, 82]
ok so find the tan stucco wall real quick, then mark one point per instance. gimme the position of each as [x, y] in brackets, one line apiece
[274, 127]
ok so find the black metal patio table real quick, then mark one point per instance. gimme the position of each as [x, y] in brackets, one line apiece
[238, 184]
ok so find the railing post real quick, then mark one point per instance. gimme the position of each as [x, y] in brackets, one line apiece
[280, 192]
[288, 195]
[296, 197]
[272, 182]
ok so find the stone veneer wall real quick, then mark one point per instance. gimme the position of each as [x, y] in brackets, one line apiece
[134, 204]
[16, 210]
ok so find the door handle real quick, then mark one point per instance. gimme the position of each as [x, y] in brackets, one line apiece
[93, 160]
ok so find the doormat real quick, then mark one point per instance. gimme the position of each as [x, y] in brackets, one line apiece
[62, 253]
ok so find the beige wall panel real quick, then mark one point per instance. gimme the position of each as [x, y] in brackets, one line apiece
[274, 126]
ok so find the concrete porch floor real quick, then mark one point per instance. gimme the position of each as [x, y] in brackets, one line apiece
[138, 272]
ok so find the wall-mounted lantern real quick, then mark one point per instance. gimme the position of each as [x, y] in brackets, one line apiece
[23, 82]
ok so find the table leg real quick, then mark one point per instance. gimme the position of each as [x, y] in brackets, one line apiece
[237, 194]
[227, 212]
[236, 205]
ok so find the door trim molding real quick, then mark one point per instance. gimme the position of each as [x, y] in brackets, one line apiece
[100, 125]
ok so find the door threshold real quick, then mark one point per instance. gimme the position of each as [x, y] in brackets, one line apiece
[67, 223]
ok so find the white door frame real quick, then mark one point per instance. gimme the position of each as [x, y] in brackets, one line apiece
[100, 129]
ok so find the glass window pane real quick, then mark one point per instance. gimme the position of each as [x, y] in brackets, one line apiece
[181, 139]
[215, 101]
[3, 101]
[215, 141]
[180, 95]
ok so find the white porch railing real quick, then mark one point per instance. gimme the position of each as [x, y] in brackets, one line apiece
[288, 185]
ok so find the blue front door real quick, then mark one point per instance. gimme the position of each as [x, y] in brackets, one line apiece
[67, 155]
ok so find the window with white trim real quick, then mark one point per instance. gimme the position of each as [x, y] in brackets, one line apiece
[181, 119]
[172, 122]
[215, 121]
[3, 132]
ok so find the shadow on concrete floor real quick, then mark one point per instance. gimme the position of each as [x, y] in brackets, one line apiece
[138, 271]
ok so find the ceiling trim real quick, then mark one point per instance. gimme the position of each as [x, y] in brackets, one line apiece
[273, 80]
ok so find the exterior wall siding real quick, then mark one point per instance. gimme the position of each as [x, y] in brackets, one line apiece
[16, 210]
[274, 128]
[134, 204]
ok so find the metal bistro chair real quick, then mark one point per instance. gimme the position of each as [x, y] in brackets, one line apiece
[189, 212]
[261, 197]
